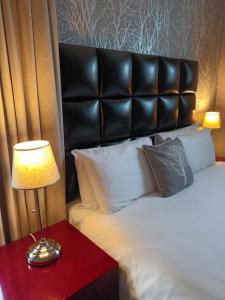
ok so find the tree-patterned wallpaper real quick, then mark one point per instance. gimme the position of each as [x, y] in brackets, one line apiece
[191, 29]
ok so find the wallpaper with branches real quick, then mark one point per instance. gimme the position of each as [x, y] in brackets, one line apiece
[191, 29]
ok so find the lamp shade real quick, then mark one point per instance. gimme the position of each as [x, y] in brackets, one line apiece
[34, 165]
[212, 120]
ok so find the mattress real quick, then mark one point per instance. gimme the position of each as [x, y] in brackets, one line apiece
[167, 248]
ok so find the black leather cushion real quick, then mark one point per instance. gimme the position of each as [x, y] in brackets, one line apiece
[81, 124]
[79, 67]
[186, 109]
[112, 96]
[115, 69]
[188, 76]
[144, 115]
[169, 75]
[145, 75]
[116, 119]
[167, 112]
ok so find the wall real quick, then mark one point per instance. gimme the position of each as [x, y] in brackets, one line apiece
[219, 134]
[189, 29]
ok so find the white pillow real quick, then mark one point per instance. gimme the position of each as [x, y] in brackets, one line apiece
[159, 137]
[86, 191]
[118, 174]
[199, 149]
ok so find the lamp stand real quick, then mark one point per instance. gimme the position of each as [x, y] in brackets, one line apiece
[44, 251]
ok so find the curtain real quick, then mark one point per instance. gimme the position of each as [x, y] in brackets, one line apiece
[2, 237]
[30, 108]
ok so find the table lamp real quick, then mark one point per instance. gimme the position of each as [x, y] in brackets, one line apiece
[34, 167]
[212, 120]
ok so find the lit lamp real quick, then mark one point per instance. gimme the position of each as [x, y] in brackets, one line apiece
[34, 167]
[212, 120]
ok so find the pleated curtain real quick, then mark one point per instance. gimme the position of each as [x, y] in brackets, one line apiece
[30, 108]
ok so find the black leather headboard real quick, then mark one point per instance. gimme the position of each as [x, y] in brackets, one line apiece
[110, 96]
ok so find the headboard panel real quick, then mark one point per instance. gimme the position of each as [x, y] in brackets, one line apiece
[110, 96]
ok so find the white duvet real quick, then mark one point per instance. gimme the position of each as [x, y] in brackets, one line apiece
[167, 248]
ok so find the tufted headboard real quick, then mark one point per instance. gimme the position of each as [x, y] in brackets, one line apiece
[110, 96]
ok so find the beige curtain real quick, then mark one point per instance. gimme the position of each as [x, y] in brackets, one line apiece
[2, 237]
[30, 107]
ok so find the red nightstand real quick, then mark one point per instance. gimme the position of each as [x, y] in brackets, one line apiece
[83, 271]
[220, 158]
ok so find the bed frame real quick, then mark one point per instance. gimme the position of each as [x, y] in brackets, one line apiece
[111, 96]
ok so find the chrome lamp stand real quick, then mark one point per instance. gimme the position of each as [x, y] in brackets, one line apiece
[44, 251]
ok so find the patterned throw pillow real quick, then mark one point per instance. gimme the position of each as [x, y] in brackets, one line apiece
[170, 166]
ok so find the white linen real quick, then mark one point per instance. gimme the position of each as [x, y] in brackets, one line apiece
[77, 212]
[177, 132]
[169, 248]
[199, 149]
[118, 174]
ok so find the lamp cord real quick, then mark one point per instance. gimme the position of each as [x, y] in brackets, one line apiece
[33, 237]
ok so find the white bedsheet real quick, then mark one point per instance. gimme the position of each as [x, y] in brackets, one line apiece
[168, 248]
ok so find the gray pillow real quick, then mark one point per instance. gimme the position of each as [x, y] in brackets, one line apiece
[170, 166]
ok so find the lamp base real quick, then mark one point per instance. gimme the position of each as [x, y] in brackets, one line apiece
[43, 252]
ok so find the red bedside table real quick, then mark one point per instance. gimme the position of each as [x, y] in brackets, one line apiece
[83, 271]
[220, 158]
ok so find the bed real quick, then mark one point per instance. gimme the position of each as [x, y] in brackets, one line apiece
[169, 248]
